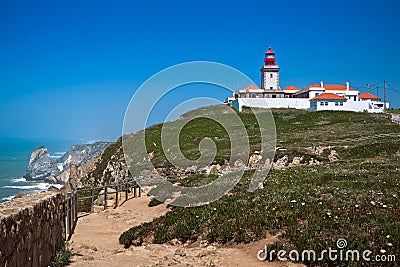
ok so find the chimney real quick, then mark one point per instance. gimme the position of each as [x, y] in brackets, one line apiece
[347, 86]
[322, 84]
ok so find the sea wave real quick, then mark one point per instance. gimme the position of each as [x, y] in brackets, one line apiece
[18, 180]
[57, 155]
[40, 186]
[7, 198]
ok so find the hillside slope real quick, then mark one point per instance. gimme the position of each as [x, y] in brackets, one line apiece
[345, 185]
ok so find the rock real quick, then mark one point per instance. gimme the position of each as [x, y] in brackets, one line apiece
[333, 156]
[239, 165]
[51, 180]
[296, 161]
[204, 253]
[53, 189]
[191, 170]
[281, 163]
[40, 165]
[254, 161]
[203, 243]
[175, 242]
[314, 162]
[180, 252]
[214, 169]
[19, 195]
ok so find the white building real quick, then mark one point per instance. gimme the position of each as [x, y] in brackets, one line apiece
[314, 97]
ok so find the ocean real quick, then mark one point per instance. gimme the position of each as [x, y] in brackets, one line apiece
[14, 158]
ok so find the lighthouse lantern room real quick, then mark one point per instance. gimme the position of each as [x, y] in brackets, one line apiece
[270, 72]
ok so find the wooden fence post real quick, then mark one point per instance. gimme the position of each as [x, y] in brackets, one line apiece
[69, 214]
[91, 199]
[134, 190]
[65, 217]
[105, 197]
[75, 206]
[116, 195]
[126, 191]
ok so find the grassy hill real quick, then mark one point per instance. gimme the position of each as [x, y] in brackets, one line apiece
[356, 197]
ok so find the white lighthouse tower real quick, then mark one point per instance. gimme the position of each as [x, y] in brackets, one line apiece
[270, 72]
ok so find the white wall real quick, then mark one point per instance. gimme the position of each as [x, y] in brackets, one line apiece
[297, 103]
[267, 81]
[300, 103]
[357, 106]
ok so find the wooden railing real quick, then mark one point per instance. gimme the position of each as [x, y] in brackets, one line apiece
[75, 203]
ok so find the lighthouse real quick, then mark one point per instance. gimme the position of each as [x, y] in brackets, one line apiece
[270, 72]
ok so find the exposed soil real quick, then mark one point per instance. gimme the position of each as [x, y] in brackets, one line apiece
[95, 243]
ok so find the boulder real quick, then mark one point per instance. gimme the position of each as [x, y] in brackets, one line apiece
[40, 165]
[254, 161]
[333, 156]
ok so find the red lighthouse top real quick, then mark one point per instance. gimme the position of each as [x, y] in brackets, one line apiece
[270, 57]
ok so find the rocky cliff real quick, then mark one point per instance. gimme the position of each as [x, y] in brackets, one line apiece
[42, 167]
[109, 167]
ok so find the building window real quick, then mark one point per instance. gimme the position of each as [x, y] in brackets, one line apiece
[341, 103]
[322, 103]
[326, 103]
[316, 94]
[271, 75]
[273, 96]
[336, 103]
[271, 88]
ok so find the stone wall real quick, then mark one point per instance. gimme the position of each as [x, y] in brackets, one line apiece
[31, 229]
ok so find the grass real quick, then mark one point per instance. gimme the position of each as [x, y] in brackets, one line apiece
[62, 258]
[356, 198]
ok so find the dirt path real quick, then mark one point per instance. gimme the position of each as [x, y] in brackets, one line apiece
[95, 243]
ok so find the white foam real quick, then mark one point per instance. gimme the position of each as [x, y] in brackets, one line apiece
[39, 186]
[57, 155]
[60, 166]
[18, 180]
[7, 198]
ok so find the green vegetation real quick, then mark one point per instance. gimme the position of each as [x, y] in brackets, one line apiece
[96, 177]
[62, 258]
[84, 204]
[355, 198]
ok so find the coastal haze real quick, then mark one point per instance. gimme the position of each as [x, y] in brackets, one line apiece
[14, 159]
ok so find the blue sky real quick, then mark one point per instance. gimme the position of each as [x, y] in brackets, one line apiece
[69, 68]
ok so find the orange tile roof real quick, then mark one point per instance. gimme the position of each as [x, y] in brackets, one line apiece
[292, 87]
[251, 87]
[369, 96]
[336, 87]
[328, 96]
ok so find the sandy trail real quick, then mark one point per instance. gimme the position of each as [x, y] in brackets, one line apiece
[95, 243]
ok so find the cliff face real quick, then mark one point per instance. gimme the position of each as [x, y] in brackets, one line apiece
[42, 167]
[110, 167]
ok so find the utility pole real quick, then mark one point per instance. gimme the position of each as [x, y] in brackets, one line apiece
[377, 90]
[368, 87]
[384, 94]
